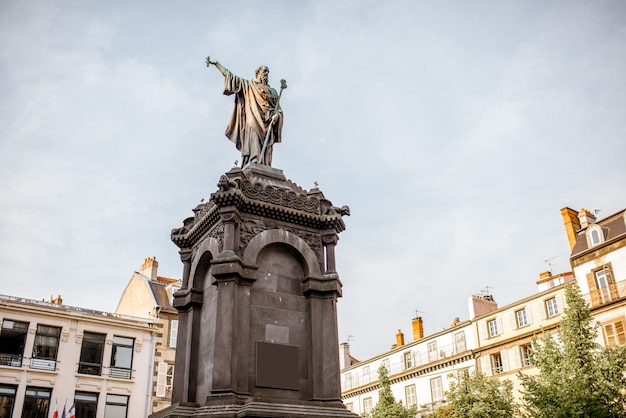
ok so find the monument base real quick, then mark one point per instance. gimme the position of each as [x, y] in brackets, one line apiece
[229, 406]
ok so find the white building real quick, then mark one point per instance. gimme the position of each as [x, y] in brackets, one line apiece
[420, 371]
[55, 355]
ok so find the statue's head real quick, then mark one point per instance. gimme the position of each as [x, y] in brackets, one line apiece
[262, 74]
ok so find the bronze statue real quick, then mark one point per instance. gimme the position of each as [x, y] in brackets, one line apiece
[257, 120]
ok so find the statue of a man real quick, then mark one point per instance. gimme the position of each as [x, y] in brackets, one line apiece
[257, 119]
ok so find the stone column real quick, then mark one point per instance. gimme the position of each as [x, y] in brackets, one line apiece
[322, 296]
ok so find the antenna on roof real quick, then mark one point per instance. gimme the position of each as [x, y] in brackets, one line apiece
[596, 211]
[418, 312]
[350, 338]
[548, 261]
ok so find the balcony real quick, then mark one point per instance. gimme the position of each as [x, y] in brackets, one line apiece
[605, 295]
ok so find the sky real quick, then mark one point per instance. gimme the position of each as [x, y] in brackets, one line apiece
[455, 131]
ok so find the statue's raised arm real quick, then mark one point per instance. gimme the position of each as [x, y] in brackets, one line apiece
[257, 119]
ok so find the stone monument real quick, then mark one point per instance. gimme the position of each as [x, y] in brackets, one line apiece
[257, 333]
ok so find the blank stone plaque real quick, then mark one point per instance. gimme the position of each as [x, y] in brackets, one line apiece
[277, 366]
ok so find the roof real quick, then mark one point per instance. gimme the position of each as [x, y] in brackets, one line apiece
[614, 227]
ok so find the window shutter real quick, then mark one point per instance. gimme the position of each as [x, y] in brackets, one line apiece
[559, 303]
[482, 330]
[505, 360]
[513, 320]
[620, 334]
[529, 315]
[517, 361]
[161, 379]
[499, 323]
[485, 363]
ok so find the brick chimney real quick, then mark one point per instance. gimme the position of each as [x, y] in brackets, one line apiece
[481, 304]
[399, 339]
[344, 355]
[149, 268]
[418, 328]
[572, 225]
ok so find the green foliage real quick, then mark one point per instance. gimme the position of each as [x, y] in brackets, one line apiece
[476, 396]
[387, 407]
[577, 377]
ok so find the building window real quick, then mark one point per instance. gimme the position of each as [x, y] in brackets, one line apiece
[552, 307]
[367, 405]
[350, 406]
[122, 357]
[7, 400]
[165, 377]
[595, 236]
[521, 318]
[173, 332]
[36, 403]
[116, 406]
[432, 351]
[12, 339]
[348, 380]
[410, 396]
[459, 342]
[436, 389]
[46, 347]
[91, 353]
[494, 327]
[86, 404]
[366, 374]
[614, 333]
[408, 360]
[385, 364]
[524, 352]
[496, 363]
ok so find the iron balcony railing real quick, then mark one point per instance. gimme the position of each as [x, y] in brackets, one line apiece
[605, 295]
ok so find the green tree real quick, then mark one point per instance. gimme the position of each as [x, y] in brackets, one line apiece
[387, 406]
[577, 377]
[476, 396]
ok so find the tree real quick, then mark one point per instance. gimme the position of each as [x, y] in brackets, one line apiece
[577, 377]
[476, 396]
[387, 406]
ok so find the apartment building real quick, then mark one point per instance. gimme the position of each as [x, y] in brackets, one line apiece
[420, 371]
[150, 296]
[54, 356]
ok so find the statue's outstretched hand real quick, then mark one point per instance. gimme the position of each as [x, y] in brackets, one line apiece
[209, 62]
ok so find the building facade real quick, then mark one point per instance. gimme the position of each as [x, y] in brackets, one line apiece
[150, 296]
[419, 371]
[598, 259]
[54, 356]
[504, 335]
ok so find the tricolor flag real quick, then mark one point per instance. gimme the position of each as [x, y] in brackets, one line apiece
[63, 414]
[72, 412]
[56, 410]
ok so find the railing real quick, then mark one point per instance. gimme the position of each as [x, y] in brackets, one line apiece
[400, 365]
[120, 373]
[14, 360]
[43, 364]
[604, 295]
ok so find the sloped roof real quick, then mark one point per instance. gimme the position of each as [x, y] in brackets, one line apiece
[614, 227]
[161, 296]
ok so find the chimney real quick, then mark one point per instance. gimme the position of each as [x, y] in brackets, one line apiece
[149, 268]
[572, 225]
[586, 218]
[344, 356]
[399, 339]
[418, 328]
[481, 304]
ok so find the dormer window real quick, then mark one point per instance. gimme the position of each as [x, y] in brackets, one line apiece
[595, 236]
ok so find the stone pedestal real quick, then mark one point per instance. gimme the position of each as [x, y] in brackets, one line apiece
[257, 333]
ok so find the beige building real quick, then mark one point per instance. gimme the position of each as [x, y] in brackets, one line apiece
[150, 296]
[598, 259]
[504, 334]
[52, 355]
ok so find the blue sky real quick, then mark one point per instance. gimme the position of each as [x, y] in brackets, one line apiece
[454, 130]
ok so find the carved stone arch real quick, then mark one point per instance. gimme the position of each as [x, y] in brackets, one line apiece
[280, 236]
[206, 252]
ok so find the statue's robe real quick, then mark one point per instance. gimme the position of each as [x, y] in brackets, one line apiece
[254, 104]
